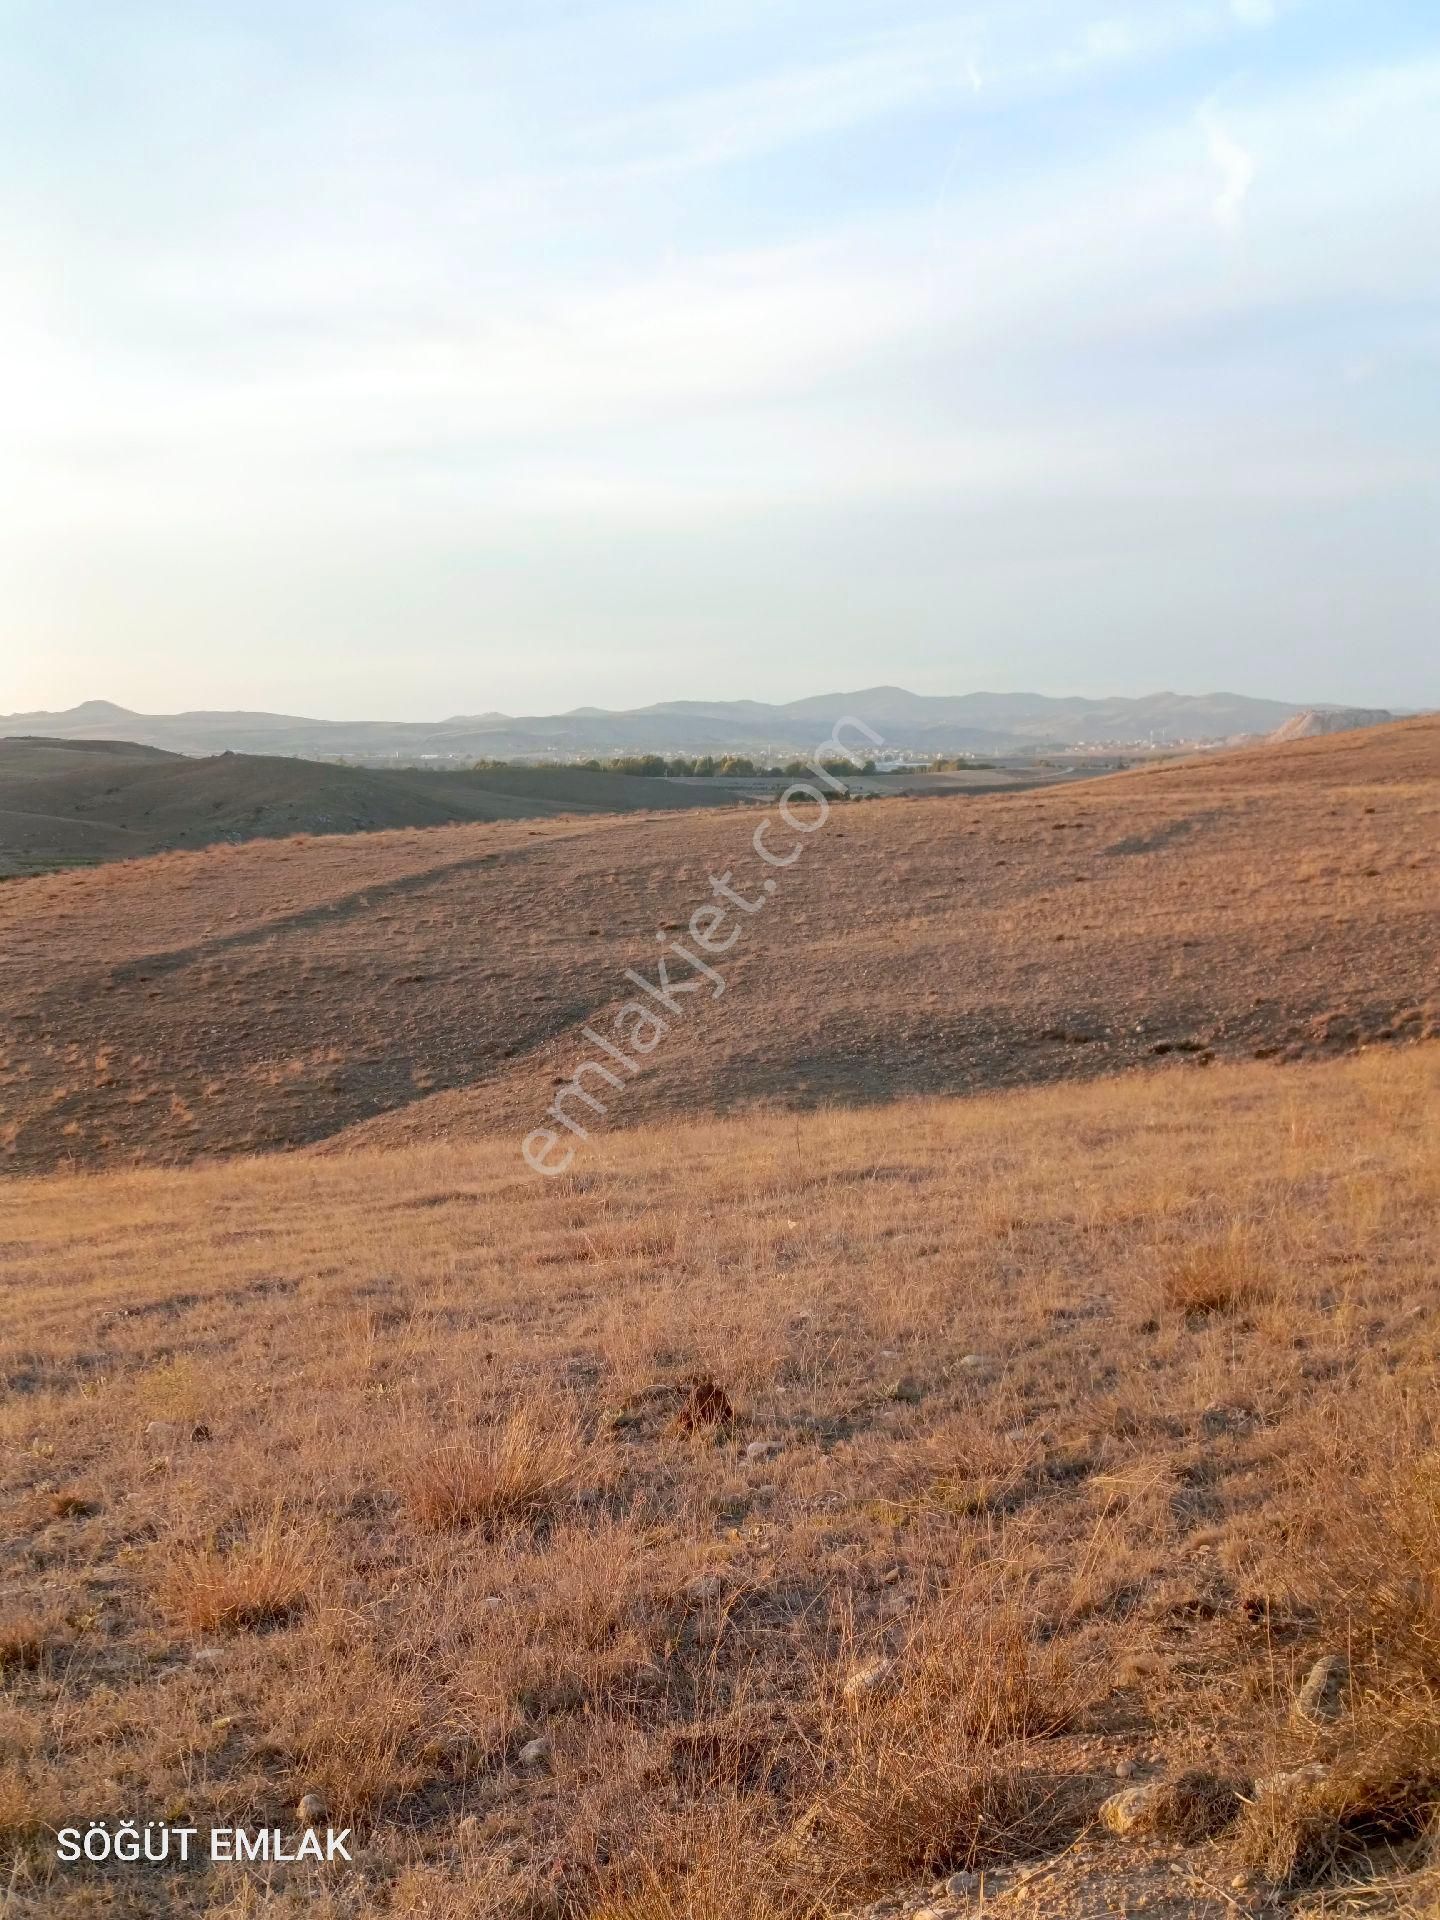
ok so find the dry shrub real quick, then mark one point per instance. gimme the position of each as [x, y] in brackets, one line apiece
[708, 1863]
[935, 1769]
[262, 1579]
[583, 1630]
[1217, 1276]
[510, 1476]
[22, 1641]
[32, 1806]
[1379, 1786]
[356, 1726]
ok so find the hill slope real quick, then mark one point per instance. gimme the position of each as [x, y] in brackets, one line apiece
[1317, 721]
[834, 1511]
[428, 983]
[106, 800]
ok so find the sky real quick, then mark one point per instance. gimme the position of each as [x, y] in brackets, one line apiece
[427, 357]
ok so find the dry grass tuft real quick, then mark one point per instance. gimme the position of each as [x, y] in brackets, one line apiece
[1219, 1276]
[24, 1639]
[262, 1579]
[517, 1472]
[708, 1864]
[938, 1769]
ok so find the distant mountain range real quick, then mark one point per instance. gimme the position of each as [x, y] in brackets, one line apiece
[921, 723]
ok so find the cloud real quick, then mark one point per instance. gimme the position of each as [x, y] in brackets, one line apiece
[1253, 13]
[1236, 167]
[1034, 49]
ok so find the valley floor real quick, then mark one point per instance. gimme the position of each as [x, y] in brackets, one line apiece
[776, 1517]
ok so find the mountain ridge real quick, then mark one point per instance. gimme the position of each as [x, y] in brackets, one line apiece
[978, 722]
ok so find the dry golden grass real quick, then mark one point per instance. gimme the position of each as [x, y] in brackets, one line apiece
[1224, 1276]
[445, 1508]
[1381, 1784]
[262, 1578]
[511, 1475]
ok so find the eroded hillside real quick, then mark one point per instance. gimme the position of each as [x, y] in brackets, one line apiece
[1280, 902]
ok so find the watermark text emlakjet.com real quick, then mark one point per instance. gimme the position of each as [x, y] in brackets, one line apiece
[714, 929]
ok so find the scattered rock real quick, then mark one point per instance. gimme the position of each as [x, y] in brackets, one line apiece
[1189, 1809]
[1125, 1770]
[1220, 1418]
[1296, 1780]
[311, 1811]
[706, 1405]
[763, 1449]
[866, 1679]
[976, 1363]
[535, 1753]
[1325, 1689]
[206, 1656]
[166, 1434]
[961, 1885]
[907, 1389]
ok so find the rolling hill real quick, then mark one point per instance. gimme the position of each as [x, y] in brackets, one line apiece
[433, 983]
[65, 803]
[912, 1461]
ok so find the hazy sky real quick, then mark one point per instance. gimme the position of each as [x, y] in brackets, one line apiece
[427, 357]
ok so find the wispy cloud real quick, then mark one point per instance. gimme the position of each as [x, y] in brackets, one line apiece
[600, 283]
[1235, 166]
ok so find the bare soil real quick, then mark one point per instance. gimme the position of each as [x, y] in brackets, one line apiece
[423, 985]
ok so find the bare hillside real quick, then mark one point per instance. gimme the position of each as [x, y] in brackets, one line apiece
[64, 803]
[426, 984]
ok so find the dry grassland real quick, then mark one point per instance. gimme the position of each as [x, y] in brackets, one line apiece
[838, 1501]
[382, 988]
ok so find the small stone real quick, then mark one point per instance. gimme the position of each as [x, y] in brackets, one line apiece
[866, 1680]
[1280, 1786]
[763, 1449]
[908, 1390]
[164, 1433]
[1192, 1808]
[1323, 1693]
[1125, 1770]
[961, 1885]
[206, 1656]
[1220, 1419]
[976, 1362]
[535, 1753]
[311, 1810]
[492, 1603]
[1125, 1811]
